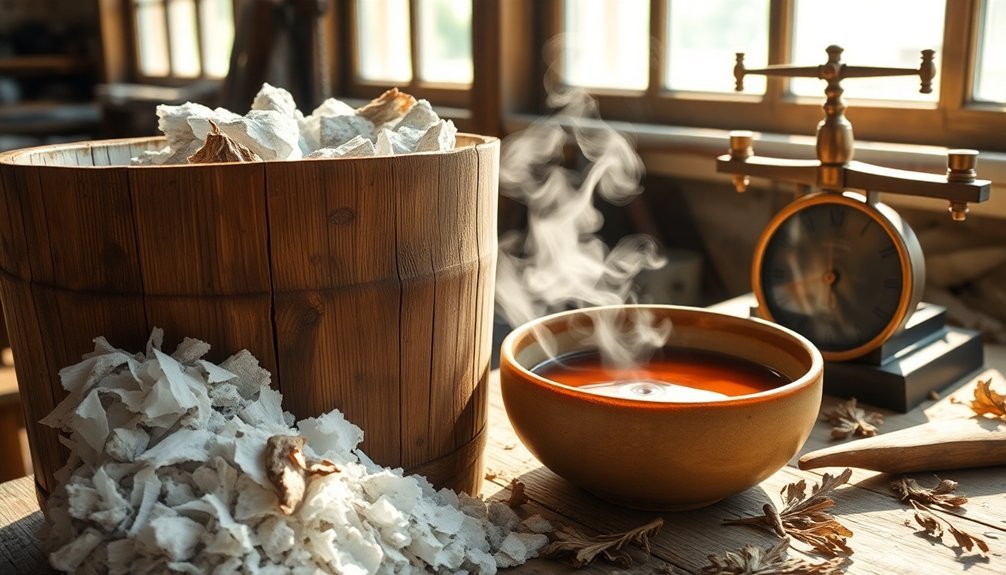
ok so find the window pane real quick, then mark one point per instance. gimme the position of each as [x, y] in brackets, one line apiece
[217, 26]
[606, 44]
[990, 73]
[182, 30]
[703, 38]
[873, 33]
[445, 40]
[382, 43]
[152, 38]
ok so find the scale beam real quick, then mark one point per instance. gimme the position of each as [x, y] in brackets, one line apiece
[834, 170]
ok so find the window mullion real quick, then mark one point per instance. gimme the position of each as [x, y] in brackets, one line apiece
[166, 8]
[414, 42]
[960, 42]
[200, 49]
[353, 73]
[658, 47]
[780, 33]
[134, 29]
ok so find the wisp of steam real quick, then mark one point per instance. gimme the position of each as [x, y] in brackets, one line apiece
[559, 262]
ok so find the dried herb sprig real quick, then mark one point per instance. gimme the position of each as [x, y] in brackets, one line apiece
[585, 549]
[925, 501]
[847, 419]
[987, 401]
[931, 524]
[943, 495]
[518, 496]
[806, 518]
[753, 560]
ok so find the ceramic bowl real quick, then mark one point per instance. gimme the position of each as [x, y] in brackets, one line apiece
[660, 455]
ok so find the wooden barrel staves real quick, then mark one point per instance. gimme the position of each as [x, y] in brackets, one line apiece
[362, 284]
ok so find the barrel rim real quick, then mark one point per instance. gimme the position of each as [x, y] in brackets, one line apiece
[17, 157]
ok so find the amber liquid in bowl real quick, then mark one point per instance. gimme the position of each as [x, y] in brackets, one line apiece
[673, 374]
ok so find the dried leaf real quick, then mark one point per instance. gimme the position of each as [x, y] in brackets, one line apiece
[847, 420]
[929, 523]
[806, 518]
[388, 107]
[517, 495]
[288, 470]
[943, 495]
[967, 541]
[586, 549]
[925, 502]
[753, 560]
[219, 147]
[988, 401]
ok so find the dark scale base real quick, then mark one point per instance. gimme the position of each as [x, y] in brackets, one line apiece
[926, 357]
[906, 381]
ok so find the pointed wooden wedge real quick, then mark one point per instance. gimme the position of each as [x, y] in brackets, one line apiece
[943, 444]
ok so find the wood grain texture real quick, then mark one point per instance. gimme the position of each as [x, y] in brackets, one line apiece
[202, 244]
[883, 542]
[361, 283]
[338, 314]
[20, 522]
[414, 244]
[944, 444]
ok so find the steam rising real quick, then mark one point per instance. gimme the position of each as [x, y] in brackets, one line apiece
[560, 263]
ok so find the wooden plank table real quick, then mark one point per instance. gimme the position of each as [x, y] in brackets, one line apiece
[885, 540]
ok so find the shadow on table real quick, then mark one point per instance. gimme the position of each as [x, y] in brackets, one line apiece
[686, 539]
[20, 549]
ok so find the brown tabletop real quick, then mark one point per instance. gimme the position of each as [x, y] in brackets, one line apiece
[885, 539]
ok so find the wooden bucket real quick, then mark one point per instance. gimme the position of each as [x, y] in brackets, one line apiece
[362, 284]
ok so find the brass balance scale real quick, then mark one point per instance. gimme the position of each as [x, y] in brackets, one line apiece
[844, 269]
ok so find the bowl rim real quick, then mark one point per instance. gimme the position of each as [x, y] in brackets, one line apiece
[508, 361]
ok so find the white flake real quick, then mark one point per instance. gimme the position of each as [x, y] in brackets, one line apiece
[175, 536]
[68, 557]
[270, 134]
[535, 524]
[355, 148]
[420, 117]
[276, 99]
[90, 422]
[179, 482]
[335, 131]
[274, 129]
[439, 137]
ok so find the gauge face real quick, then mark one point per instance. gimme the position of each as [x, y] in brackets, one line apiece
[833, 272]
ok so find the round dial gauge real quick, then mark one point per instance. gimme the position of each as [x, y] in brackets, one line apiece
[843, 272]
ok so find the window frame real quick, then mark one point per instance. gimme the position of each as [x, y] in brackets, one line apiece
[955, 120]
[353, 86]
[171, 79]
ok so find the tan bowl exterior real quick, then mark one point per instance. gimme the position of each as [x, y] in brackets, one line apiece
[663, 455]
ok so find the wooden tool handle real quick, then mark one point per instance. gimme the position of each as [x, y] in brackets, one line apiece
[946, 444]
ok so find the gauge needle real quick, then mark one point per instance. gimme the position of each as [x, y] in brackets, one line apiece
[830, 277]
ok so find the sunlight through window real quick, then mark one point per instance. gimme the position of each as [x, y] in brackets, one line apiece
[606, 44]
[445, 41]
[382, 42]
[990, 72]
[889, 33]
[703, 38]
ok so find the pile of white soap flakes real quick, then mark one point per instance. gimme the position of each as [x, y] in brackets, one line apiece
[274, 129]
[167, 473]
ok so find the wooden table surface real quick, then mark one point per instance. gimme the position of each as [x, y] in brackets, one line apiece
[885, 539]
